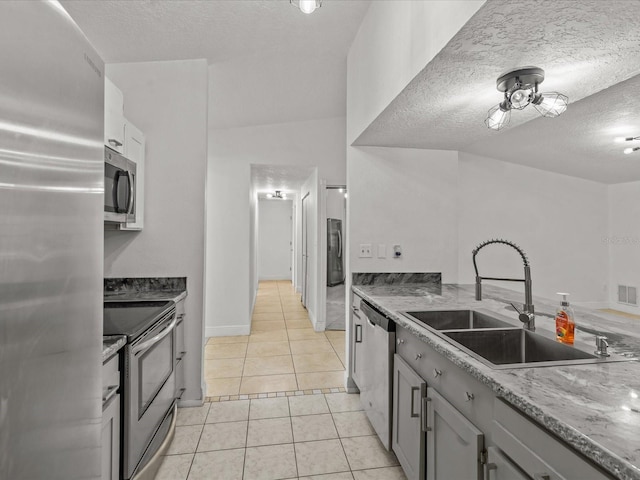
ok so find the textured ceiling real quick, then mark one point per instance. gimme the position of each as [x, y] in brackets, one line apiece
[584, 46]
[153, 30]
[288, 179]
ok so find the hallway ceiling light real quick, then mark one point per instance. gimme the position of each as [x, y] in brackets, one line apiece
[520, 87]
[307, 6]
[278, 194]
[628, 150]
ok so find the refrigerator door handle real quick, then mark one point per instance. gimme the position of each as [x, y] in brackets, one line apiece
[339, 243]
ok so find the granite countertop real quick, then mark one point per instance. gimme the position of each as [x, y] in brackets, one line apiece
[111, 344]
[593, 407]
[175, 295]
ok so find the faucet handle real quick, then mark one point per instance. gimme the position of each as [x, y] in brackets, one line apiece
[528, 318]
[601, 346]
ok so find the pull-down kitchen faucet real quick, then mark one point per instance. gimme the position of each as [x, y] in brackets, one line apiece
[526, 316]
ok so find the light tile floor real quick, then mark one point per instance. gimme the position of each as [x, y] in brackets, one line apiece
[283, 354]
[321, 437]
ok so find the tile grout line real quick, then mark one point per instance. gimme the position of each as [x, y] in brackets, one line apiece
[293, 438]
[339, 436]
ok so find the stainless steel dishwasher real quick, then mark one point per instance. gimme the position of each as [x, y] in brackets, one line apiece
[376, 379]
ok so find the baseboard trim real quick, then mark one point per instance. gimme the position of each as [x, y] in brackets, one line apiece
[227, 331]
[190, 403]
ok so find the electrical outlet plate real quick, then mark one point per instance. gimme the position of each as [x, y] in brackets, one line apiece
[365, 250]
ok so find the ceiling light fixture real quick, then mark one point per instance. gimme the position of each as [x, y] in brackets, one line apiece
[520, 87]
[307, 6]
[279, 194]
[627, 150]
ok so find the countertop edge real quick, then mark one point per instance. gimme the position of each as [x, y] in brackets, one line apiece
[606, 459]
[110, 349]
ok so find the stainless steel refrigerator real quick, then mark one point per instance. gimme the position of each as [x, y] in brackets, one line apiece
[51, 245]
[335, 264]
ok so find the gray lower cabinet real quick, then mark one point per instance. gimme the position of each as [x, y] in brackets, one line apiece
[499, 467]
[454, 444]
[408, 438]
[357, 345]
[181, 351]
[535, 451]
[111, 419]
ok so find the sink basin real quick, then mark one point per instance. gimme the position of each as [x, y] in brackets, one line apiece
[517, 347]
[458, 320]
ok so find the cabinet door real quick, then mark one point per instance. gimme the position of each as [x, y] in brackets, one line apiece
[113, 117]
[408, 439]
[111, 440]
[499, 467]
[357, 347]
[134, 149]
[454, 444]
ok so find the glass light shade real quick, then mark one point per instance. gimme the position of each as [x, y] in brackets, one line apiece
[627, 151]
[520, 98]
[551, 104]
[269, 195]
[308, 6]
[620, 139]
[498, 117]
[284, 195]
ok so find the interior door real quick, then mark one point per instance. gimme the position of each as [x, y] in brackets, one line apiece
[305, 256]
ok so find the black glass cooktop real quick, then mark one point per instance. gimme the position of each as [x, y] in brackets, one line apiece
[133, 318]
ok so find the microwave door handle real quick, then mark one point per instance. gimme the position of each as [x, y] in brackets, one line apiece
[116, 190]
[131, 193]
[152, 341]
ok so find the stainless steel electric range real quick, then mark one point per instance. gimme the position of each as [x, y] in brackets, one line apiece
[149, 401]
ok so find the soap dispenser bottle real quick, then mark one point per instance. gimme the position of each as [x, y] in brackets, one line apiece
[565, 324]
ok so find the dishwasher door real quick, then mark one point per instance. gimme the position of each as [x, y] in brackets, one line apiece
[377, 371]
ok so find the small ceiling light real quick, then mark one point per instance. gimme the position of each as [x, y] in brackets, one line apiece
[628, 150]
[307, 6]
[520, 87]
[277, 194]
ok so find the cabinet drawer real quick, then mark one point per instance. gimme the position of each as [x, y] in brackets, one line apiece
[355, 305]
[412, 350]
[537, 452]
[111, 373]
[464, 392]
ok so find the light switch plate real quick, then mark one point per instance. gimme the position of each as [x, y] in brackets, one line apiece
[382, 250]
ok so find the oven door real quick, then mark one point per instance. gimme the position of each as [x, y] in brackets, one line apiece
[119, 188]
[150, 388]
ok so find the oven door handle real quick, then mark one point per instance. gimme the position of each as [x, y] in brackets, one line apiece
[152, 341]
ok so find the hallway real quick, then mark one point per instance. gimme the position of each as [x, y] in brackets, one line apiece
[283, 355]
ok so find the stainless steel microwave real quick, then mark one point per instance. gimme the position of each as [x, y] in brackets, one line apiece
[119, 188]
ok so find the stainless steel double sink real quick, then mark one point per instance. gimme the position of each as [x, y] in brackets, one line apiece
[498, 343]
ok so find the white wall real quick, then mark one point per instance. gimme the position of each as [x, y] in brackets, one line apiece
[559, 222]
[406, 197]
[167, 101]
[310, 190]
[274, 239]
[395, 42]
[623, 241]
[231, 152]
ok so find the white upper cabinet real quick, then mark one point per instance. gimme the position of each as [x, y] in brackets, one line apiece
[124, 137]
[134, 149]
[113, 117]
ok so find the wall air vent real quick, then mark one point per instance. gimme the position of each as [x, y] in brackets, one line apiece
[627, 295]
